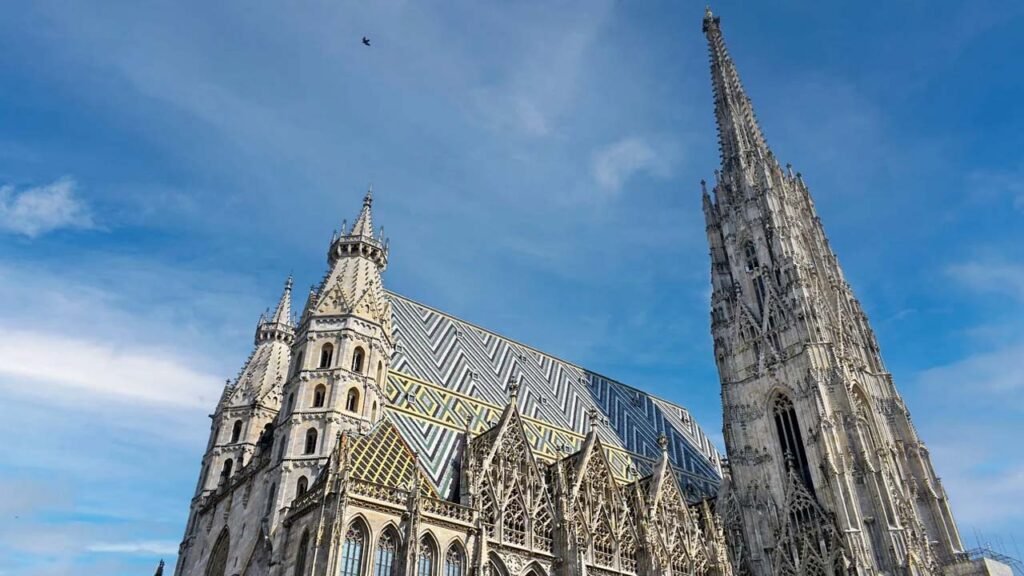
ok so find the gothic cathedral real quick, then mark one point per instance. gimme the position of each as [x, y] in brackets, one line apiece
[373, 435]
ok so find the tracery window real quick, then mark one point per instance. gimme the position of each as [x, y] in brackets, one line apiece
[542, 529]
[489, 511]
[357, 360]
[352, 400]
[604, 546]
[301, 486]
[384, 563]
[326, 355]
[310, 447]
[425, 563]
[514, 522]
[750, 254]
[236, 431]
[319, 394]
[352, 551]
[790, 440]
[627, 554]
[219, 557]
[454, 561]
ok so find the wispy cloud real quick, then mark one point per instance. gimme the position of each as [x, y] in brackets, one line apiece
[995, 276]
[616, 163]
[35, 211]
[147, 547]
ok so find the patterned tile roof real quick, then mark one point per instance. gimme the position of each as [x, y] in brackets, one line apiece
[447, 374]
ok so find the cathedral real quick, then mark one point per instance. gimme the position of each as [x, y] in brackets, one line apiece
[372, 435]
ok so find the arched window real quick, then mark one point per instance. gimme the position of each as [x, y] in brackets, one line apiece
[384, 561]
[225, 472]
[352, 400]
[310, 447]
[425, 563]
[319, 394]
[352, 551]
[750, 254]
[790, 439]
[357, 360]
[326, 355]
[301, 486]
[373, 411]
[454, 561]
[218, 562]
[300, 556]
[380, 373]
[236, 431]
[514, 522]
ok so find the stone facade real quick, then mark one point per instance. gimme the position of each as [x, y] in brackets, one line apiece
[375, 436]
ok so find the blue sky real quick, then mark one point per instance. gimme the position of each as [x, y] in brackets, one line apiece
[164, 166]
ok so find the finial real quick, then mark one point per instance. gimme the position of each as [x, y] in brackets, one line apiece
[663, 442]
[592, 418]
[513, 387]
[288, 283]
[703, 186]
[368, 199]
[707, 12]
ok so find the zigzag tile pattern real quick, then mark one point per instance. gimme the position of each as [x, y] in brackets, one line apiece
[447, 374]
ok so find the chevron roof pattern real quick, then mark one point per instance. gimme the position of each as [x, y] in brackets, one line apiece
[448, 375]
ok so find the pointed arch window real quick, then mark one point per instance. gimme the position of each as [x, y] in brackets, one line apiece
[380, 373]
[319, 395]
[236, 431]
[300, 556]
[352, 400]
[427, 555]
[514, 522]
[270, 499]
[454, 561]
[301, 486]
[384, 562]
[790, 441]
[604, 545]
[326, 355]
[357, 360]
[750, 256]
[218, 562]
[311, 435]
[352, 551]
[225, 472]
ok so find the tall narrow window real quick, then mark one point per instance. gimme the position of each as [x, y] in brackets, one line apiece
[301, 486]
[326, 355]
[300, 556]
[352, 551]
[750, 254]
[236, 431]
[454, 561]
[384, 562]
[352, 400]
[270, 498]
[225, 472]
[310, 441]
[790, 439]
[357, 360]
[425, 564]
[604, 546]
[297, 367]
[319, 394]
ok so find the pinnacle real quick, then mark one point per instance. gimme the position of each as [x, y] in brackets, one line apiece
[283, 312]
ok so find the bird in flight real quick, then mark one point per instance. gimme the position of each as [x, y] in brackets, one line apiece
[366, 41]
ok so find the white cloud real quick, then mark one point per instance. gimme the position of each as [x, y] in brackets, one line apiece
[36, 211]
[616, 163]
[145, 547]
[53, 362]
[991, 276]
[994, 371]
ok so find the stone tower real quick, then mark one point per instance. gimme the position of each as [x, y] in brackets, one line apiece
[828, 475]
[340, 357]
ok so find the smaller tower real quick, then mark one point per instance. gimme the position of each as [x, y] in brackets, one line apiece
[341, 353]
[251, 402]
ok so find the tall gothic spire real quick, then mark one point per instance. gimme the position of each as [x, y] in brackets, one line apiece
[739, 137]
